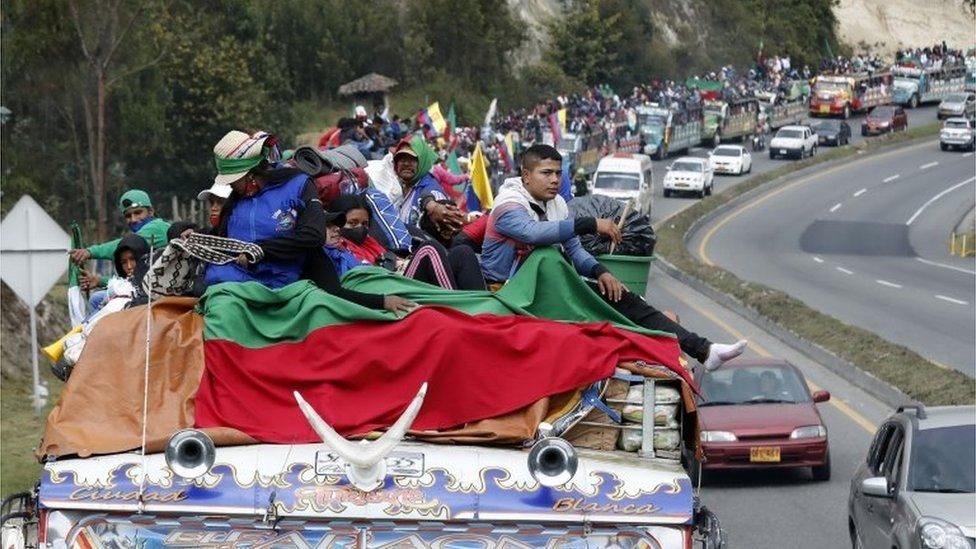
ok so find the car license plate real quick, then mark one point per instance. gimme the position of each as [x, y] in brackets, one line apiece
[764, 454]
[782, 151]
[824, 108]
[821, 139]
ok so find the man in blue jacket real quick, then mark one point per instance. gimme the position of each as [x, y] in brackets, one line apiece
[529, 212]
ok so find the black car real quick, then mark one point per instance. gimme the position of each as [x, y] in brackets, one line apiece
[832, 132]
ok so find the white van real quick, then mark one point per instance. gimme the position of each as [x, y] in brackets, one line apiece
[625, 176]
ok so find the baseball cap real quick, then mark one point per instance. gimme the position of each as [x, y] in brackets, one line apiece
[134, 198]
[217, 189]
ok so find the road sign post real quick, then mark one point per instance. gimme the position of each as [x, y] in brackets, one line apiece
[33, 248]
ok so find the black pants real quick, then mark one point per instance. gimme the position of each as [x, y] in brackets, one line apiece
[456, 269]
[639, 312]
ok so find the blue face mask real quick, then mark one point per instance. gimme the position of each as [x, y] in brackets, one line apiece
[140, 224]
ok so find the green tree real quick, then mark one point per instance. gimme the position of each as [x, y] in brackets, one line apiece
[585, 44]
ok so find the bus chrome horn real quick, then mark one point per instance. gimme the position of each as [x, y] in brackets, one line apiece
[190, 453]
[553, 461]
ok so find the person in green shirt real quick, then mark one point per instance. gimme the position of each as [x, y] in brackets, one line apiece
[137, 210]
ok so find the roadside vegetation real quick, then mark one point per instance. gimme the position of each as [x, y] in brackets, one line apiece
[895, 364]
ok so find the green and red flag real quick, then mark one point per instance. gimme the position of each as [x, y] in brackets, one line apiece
[482, 354]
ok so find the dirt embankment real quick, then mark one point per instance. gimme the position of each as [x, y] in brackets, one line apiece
[887, 25]
[52, 323]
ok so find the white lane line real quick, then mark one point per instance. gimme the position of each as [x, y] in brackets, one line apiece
[891, 178]
[919, 211]
[888, 284]
[927, 166]
[951, 300]
[967, 155]
[845, 271]
[860, 192]
[944, 266]
[817, 259]
[835, 207]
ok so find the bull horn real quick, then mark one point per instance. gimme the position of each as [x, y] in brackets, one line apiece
[364, 461]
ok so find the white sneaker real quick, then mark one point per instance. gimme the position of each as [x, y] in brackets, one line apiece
[719, 353]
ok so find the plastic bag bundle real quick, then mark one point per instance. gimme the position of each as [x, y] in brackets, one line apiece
[638, 235]
[666, 425]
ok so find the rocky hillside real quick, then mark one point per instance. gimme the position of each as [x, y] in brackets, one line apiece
[881, 25]
[52, 323]
[886, 25]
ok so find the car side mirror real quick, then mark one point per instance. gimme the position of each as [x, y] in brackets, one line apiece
[668, 168]
[821, 396]
[876, 487]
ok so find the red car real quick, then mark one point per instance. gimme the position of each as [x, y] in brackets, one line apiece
[759, 413]
[884, 119]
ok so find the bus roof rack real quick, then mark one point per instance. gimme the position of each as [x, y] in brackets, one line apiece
[918, 408]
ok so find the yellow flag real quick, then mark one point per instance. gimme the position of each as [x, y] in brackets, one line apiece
[510, 145]
[480, 183]
[436, 118]
[561, 115]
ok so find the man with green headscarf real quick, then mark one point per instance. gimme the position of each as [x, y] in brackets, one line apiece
[412, 162]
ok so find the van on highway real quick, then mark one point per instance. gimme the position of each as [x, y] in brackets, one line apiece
[625, 176]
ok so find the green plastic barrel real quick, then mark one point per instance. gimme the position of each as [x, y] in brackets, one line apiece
[629, 269]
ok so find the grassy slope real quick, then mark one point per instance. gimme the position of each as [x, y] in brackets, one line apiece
[21, 429]
[893, 363]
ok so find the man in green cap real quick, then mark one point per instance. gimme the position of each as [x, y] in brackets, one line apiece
[137, 210]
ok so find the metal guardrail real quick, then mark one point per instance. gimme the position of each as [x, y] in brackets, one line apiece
[962, 244]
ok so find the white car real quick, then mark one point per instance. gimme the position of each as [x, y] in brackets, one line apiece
[626, 177]
[689, 174]
[795, 141]
[958, 132]
[731, 159]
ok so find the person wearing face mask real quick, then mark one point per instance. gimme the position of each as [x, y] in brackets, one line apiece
[429, 262]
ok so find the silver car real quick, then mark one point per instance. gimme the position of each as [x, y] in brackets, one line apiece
[917, 487]
[958, 104]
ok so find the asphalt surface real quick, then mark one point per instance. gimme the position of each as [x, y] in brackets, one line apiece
[866, 243]
[664, 207]
[780, 507]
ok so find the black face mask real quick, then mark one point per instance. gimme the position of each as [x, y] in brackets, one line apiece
[356, 235]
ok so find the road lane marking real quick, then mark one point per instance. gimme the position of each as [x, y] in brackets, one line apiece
[888, 284]
[951, 300]
[835, 207]
[944, 266]
[919, 211]
[841, 406]
[860, 192]
[843, 270]
[817, 259]
[703, 245]
[891, 178]
[927, 166]
[967, 155]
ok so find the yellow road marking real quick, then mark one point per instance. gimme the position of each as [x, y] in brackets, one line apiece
[703, 245]
[841, 406]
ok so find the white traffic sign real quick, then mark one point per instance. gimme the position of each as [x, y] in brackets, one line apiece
[33, 248]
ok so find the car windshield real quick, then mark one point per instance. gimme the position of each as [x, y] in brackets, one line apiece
[823, 85]
[955, 98]
[883, 112]
[727, 151]
[944, 460]
[753, 385]
[827, 125]
[957, 124]
[686, 167]
[617, 181]
[790, 134]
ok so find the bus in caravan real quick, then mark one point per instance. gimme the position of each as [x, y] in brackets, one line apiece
[845, 94]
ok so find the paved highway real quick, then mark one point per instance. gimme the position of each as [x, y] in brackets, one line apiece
[664, 207]
[865, 242]
[780, 508]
